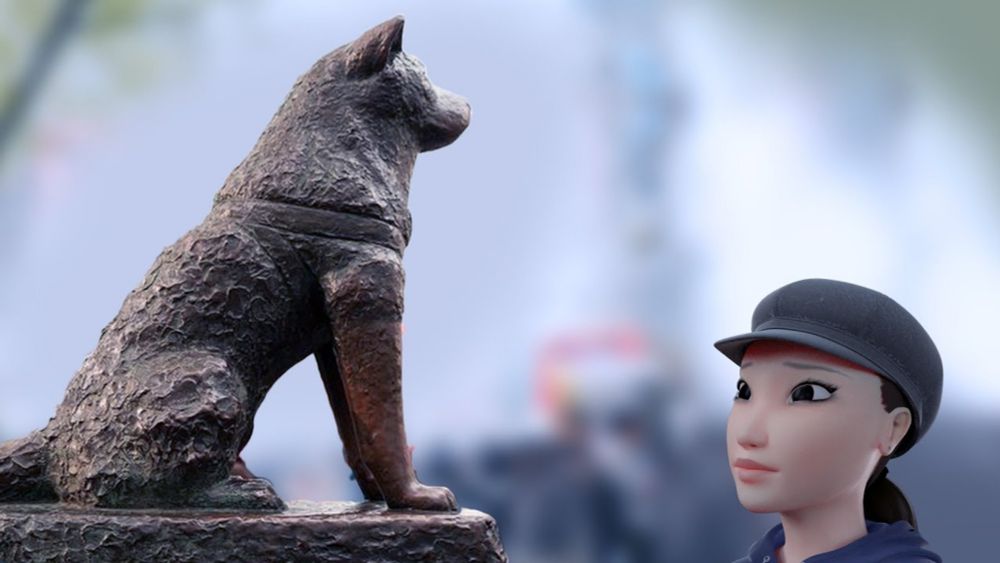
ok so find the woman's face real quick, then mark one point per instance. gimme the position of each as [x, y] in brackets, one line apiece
[817, 422]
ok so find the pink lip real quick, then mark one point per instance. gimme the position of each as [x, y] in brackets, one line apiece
[744, 463]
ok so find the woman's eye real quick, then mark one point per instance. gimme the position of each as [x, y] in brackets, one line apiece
[814, 392]
[742, 390]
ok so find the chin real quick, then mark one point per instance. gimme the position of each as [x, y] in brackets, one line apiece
[757, 504]
[758, 508]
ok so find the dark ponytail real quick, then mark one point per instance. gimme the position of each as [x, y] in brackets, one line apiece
[883, 501]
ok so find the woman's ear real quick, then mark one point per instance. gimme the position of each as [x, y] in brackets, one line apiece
[897, 425]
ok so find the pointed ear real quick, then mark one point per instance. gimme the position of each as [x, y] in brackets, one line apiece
[373, 50]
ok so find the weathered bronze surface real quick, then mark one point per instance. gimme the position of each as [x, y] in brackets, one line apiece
[300, 255]
[305, 532]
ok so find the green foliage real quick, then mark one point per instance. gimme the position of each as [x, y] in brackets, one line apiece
[956, 40]
[110, 16]
[124, 45]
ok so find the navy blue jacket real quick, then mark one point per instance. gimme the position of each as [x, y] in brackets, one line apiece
[884, 543]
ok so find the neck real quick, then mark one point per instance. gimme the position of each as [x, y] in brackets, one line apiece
[819, 529]
[308, 165]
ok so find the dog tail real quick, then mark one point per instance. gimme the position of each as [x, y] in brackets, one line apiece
[24, 470]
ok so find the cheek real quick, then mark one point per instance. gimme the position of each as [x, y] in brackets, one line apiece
[811, 448]
[732, 424]
[824, 453]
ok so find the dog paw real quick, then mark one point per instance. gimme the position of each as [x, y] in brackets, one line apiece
[422, 497]
[240, 494]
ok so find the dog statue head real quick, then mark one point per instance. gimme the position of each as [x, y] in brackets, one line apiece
[384, 76]
[360, 115]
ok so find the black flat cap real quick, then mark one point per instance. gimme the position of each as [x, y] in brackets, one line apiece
[859, 325]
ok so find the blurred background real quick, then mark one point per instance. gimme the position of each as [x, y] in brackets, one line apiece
[637, 175]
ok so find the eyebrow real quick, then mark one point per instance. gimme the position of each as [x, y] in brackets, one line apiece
[801, 365]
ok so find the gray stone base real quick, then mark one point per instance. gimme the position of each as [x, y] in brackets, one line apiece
[307, 531]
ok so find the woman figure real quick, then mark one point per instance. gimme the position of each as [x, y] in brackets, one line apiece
[835, 380]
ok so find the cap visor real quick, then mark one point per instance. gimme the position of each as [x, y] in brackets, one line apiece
[735, 346]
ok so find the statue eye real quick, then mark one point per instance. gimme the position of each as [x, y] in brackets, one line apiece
[742, 391]
[811, 391]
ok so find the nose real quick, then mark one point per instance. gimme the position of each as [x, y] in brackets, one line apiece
[751, 427]
[446, 122]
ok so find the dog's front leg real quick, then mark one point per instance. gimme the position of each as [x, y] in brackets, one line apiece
[365, 306]
[326, 360]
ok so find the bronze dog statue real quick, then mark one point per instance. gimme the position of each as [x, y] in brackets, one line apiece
[301, 254]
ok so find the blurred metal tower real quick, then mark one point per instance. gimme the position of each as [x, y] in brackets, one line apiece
[643, 110]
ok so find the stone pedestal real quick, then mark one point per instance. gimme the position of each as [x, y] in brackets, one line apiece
[307, 531]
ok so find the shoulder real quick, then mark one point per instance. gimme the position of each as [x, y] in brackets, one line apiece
[762, 551]
[924, 556]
